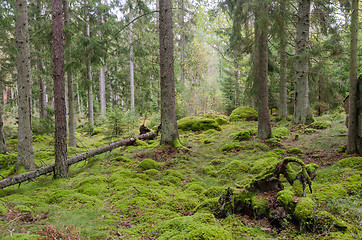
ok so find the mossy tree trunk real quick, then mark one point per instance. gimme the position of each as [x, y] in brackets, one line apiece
[353, 138]
[264, 128]
[169, 131]
[3, 148]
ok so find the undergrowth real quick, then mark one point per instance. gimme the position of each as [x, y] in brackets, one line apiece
[149, 192]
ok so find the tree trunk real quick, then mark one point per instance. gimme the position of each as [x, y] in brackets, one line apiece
[3, 148]
[25, 135]
[102, 79]
[89, 71]
[283, 108]
[264, 128]
[60, 136]
[302, 111]
[131, 70]
[169, 131]
[182, 40]
[71, 110]
[353, 138]
[44, 170]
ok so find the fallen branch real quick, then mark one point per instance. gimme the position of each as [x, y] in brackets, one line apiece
[70, 161]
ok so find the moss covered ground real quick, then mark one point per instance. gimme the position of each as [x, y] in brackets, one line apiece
[149, 191]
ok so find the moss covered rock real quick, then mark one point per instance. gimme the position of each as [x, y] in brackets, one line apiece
[220, 119]
[260, 205]
[233, 169]
[262, 164]
[147, 164]
[281, 132]
[304, 208]
[320, 125]
[295, 151]
[352, 162]
[244, 114]
[285, 198]
[213, 192]
[196, 124]
[243, 135]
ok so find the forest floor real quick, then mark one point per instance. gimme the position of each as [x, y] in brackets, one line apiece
[121, 195]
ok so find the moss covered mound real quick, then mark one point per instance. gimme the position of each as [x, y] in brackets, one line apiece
[220, 119]
[234, 168]
[352, 162]
[244, 114]
[147, 164]
[281, 132]
[304, 208]
[243, 135]
[320, 125]
[197, 124]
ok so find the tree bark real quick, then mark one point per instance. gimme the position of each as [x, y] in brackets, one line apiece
[131, 69]
[25, 135]
[353, 138]
[44, 170]
[302, 111]
[182, 40]
[71, 110]
[60, 136]
[283, 108]
[89, 73]
[169, 131]
[264, 128]
[3, 148]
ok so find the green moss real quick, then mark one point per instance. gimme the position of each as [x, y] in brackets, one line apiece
[3, 209]
[22, 208]
[311, 168]
[211, 132]
[295, 151]
[352, 162]
[210, 205]
[309, 130]
[285, 198]
[183, 202]
[259, 205]
[141, 143]
[220, 119]
[41, 138]
[353, 184]
[262, 164]
[233, 169]
[243, 135]
[304, 208]
[194, 187]
[281, 132]
[97, 131]
[93, 185]
[22, 236]
[147, 164]
[320, 125]
[244, 114]
[121, 159]
[210, 140]
[198, 226]
[213, 192]
[196, 124]
[217, 161]
[280, 151]
[7, 160]
[72, 197]
[153, 173]
[232, 146]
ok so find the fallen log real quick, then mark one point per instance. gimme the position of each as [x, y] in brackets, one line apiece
[70, 161]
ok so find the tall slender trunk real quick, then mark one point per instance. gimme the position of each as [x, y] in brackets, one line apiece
[60, 136]
[169, 131]
[264, 128]
[3, 148]
[283, 108]
[25, 135]
[354, 144]
[131, 70]
[89, 74]
[102, 79]
[182, 40]
[302, 111]
[71, 110]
